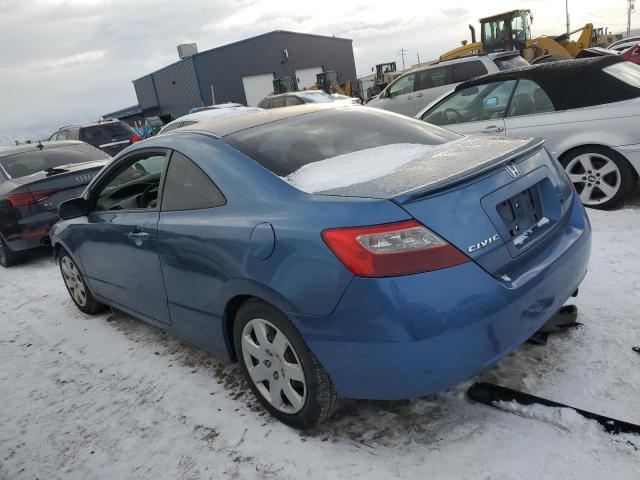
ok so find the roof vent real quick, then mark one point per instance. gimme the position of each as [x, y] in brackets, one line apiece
[187, 49]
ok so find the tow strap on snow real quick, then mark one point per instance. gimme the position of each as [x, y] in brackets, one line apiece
[492, 395]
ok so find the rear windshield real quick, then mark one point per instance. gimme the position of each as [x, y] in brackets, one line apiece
[286, 145]
[315, 97]
[28, 163]
[626, 72]
[106, 132]
[506, 63]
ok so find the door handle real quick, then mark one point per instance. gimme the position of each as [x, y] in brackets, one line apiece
[138, 236]
[409, 97]
[418, 95]
[493, 128]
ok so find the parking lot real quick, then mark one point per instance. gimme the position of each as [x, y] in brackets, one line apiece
[112, 397]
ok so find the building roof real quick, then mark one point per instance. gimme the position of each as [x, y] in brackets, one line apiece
[274, 32]
[124, 112]
[229, 125]
[568, 83]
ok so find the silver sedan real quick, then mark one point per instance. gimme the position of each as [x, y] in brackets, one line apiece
[588, 111]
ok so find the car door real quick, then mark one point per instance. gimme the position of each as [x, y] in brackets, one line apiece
[120, 250]
[193, 250]
[431, 83]
[399, 97]
[478, 109]
[532, 114]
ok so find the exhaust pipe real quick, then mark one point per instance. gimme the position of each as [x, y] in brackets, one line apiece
[473, 33]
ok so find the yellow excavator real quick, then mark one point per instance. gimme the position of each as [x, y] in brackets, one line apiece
[512, 31]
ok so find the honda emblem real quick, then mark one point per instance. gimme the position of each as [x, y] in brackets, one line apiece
[513, 169]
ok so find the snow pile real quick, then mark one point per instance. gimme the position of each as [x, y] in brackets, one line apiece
[356, 167]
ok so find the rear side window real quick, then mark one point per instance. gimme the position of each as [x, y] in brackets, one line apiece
[626, 72]
[291, 101]
[265, 103]
[28, 163]
[63, 135]
[277, 102]
[286, 145]
[467, 70]
[434, 77]
[188, 188]
[106, 132]
[528, 99]
[172, 126]
[402, 85]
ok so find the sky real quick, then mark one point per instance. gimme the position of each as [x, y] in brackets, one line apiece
[63, 61]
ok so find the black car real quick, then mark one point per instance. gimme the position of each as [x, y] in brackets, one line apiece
[34, 180]
[110, 136]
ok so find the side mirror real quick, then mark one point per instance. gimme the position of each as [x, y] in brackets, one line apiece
[74, 208]
[490, 102]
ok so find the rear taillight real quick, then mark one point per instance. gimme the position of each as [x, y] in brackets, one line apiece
[391, 249]
[135, 138]
[28, 198]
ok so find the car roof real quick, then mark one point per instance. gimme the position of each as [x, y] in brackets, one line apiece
[568, 83]
[32, 147]
[634, 38]
[221, 127]
[92, 124]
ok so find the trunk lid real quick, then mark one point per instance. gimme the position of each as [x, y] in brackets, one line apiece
[498, 200]
[63, 183]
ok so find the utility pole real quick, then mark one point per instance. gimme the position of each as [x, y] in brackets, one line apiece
[566, 3]
[402, 51]
[630, 8]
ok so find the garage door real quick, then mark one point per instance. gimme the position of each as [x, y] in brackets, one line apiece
[256, 87]
[307, 77]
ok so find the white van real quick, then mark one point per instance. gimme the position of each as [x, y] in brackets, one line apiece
[415, 89]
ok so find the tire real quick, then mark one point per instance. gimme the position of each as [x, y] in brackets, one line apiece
[269, 346]
[601, 176]
[9, 258]
[76, 286]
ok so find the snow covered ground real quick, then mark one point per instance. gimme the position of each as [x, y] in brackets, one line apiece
[111, 397]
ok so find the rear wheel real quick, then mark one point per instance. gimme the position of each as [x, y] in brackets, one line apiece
[601, 176]
[76, 285]
[9, 258]
[282, 372]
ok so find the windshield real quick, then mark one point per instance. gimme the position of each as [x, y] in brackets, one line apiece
[106, 132]
[626, 72]
[286, 145]
[28, 163]
[315, 97]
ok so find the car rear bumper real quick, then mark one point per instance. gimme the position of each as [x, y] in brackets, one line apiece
[409, 336]
[30, 232]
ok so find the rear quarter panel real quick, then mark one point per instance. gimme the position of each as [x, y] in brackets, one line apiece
[609, 125]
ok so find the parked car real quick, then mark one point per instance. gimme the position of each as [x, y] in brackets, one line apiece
[412, 91]
[214, 107]
[205, 115]
[393, 262]
[630, 54]
[291, 99]
[110, 136]
[34, 179]
[587, 110]
[625, 43]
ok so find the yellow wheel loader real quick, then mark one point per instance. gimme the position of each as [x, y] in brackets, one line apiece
[512, 31]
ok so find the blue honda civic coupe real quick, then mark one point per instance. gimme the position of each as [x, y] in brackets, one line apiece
[333, 252]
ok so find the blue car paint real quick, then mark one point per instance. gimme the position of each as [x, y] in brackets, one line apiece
[383, 338]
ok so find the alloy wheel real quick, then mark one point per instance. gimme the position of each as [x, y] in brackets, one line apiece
[273, 366]
[73, 280]
[596, 177]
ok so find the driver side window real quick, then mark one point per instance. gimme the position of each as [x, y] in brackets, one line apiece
[136, 185]
[402, 86]
[473, 104]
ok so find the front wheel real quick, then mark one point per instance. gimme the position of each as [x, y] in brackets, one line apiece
[282, 372]
[601, 176]
[76, 285]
